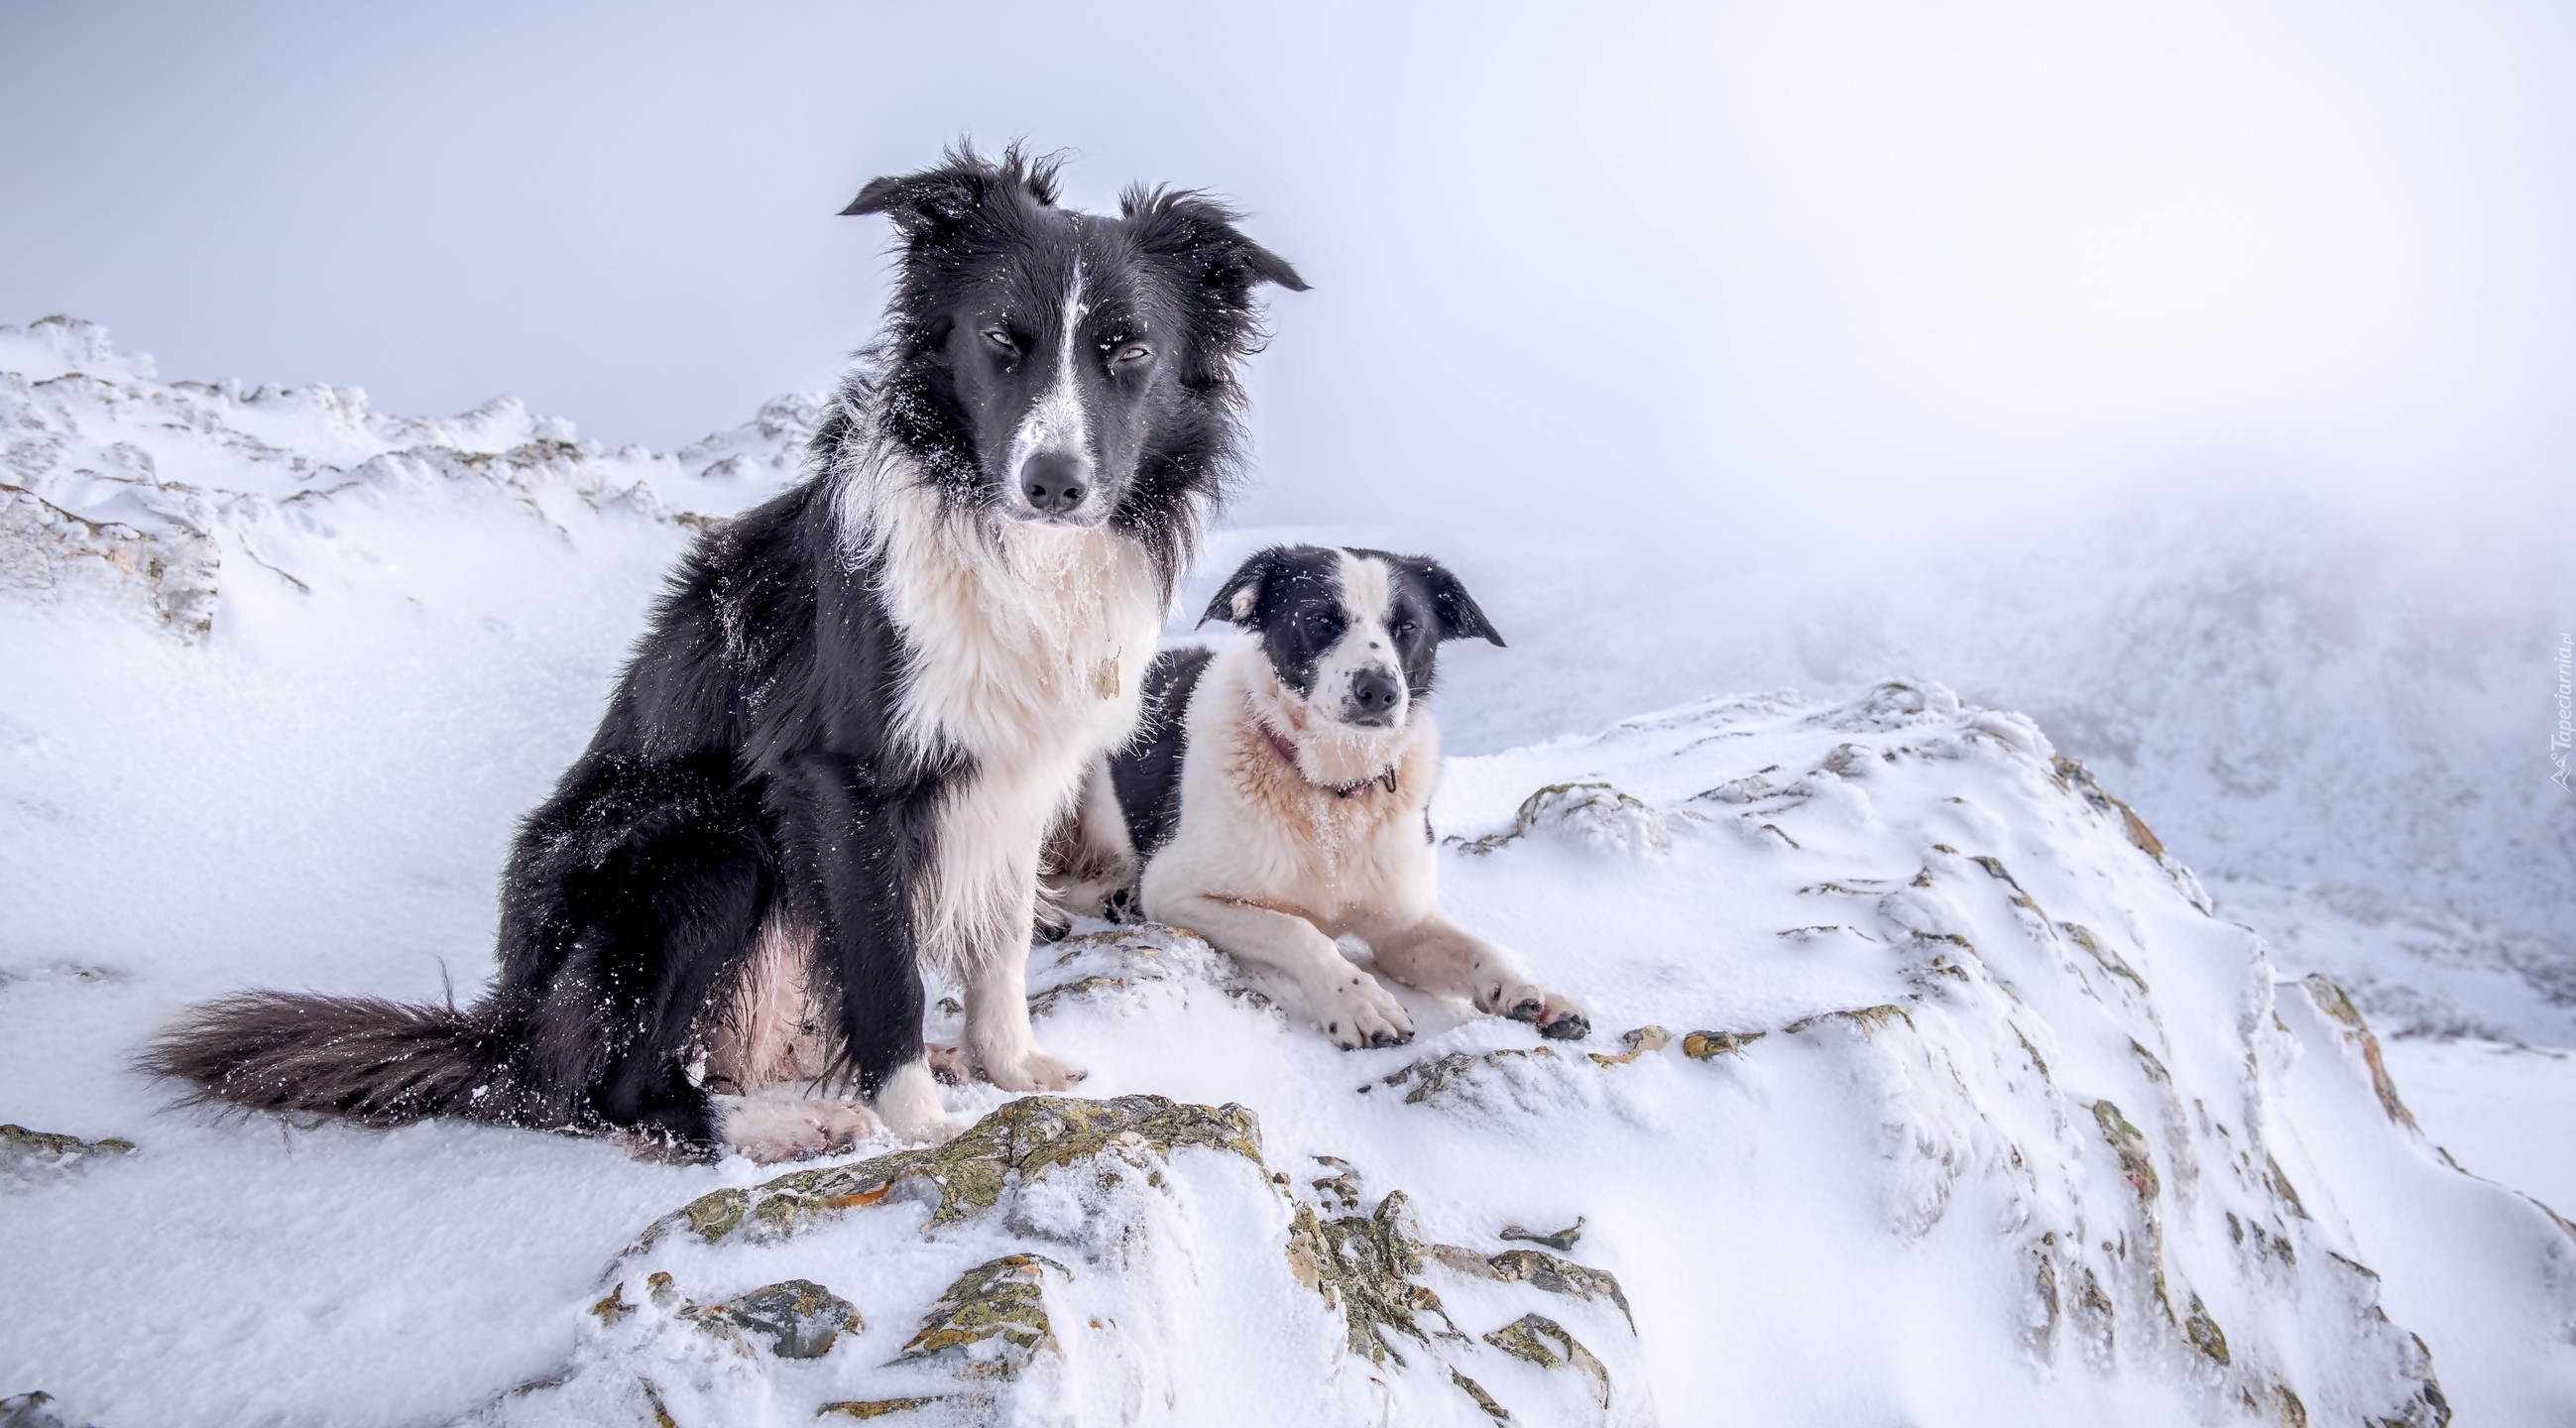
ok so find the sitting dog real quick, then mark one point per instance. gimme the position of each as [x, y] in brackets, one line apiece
[1276, 794]
[836, 752]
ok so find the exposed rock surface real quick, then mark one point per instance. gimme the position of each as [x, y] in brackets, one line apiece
[26, 1153]
[1099, 1287]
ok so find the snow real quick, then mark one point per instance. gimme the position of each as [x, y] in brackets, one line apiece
[2501, 1111]
[296, 756]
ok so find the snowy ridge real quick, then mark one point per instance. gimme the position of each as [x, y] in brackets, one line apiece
[1943, 1095]
[118, 481]
[2038, 1093]
[2345, 733]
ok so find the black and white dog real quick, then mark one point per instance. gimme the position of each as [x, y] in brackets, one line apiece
[859, 709]
[1276, 796]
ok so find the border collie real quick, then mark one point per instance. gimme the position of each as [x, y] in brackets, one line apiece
[859, 709]
[1276, 796]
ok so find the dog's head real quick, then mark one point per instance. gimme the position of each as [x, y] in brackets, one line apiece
[1353, 635]
[1063, 367]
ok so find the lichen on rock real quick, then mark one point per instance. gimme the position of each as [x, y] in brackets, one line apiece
[2337, 1005]
[1642, 1041]
[1538, 1339]
[2130, 1144]
[1701, 1045]
[1458, 1070]
[865, 1409]
[1869, 1020]
[799, 1318]
[993, 1318]
[1364, 1266]
[1024, 1140]
[52, 1146]
[1554, 1239]
[25, 1152]
[1477, 1395]
[1540, 1270]
[2204, 1333]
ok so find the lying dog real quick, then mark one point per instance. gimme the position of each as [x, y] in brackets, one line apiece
[1276, 795]
[835, 754]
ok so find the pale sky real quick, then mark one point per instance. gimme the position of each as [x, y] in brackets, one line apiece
[1666, 270]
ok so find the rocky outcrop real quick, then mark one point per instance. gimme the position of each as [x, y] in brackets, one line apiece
[28, 1153]
[1094, 1288]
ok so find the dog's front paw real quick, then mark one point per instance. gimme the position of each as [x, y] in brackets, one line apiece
[1557, 1018]
[1355, 1011]
[908, 1102]
[1030, 1070]
[938, 1130]
[773, 1128]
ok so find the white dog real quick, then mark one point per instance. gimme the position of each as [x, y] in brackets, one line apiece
[1275, 795]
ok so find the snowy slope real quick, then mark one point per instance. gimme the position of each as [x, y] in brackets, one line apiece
[2346, 733]
[1988, 1119]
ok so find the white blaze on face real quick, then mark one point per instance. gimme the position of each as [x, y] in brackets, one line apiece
[1057, 421]
[1368, 593]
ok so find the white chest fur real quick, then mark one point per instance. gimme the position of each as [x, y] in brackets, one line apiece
[1027, 649]
[1255, 827]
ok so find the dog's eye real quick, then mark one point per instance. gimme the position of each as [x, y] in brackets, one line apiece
[1404, 629]
[1134, 352]
[1001, 339]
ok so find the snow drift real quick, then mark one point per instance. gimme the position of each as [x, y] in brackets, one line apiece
[1929, 1089]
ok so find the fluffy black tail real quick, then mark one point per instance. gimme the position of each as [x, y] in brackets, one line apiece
[376, 1062]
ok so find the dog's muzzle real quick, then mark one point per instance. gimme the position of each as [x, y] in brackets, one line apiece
[1375, 701]
[1054, 484]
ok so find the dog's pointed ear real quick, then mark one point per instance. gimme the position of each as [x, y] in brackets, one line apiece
[1241, 594]
[1451, 605]
[1198, 233]
[937, 201]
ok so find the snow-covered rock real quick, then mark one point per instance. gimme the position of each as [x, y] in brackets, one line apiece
[1945, 1095]
[1085, 1261]
[120, 484]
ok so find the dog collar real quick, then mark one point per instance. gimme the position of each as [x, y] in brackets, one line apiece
[1288, 752]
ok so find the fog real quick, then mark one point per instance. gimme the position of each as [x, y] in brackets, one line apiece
[2195, 376]
[1704, 274]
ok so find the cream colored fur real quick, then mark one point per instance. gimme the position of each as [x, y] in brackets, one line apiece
[1270, 865]
[771, 1052]
[783, 1122]
[773, 1027]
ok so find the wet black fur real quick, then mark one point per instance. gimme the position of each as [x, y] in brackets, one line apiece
[746, 763]
[1297, 611]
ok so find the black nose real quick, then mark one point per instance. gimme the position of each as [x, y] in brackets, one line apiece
[1053, 482]
[1374, 695]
